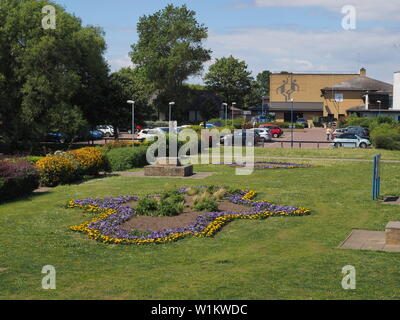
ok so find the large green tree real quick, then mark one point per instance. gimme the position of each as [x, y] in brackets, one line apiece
[170, 50]
[230, 78]
[128, 84]
[48, 74]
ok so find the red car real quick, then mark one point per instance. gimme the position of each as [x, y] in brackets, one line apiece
[276, 131]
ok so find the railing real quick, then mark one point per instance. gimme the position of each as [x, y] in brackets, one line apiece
[318, 143]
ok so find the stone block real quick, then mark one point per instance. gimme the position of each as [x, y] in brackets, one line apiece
[393, 233]
[168, 171]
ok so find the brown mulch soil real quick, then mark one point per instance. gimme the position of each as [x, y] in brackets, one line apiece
[144, 223]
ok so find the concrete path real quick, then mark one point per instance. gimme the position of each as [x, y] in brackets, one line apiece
[368, 240]
[140, 174]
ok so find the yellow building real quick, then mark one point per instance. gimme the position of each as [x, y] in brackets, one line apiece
[313, 96]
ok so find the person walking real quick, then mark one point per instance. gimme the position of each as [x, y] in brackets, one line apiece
[328, 134]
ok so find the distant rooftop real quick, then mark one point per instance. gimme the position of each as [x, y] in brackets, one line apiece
[362, 84]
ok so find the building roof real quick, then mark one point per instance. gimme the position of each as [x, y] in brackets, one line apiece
[362, 109]
[297, 106]
[362, 84]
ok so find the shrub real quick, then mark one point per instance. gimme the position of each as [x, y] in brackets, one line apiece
[170, 209]
[91, 160]
[17, 178]
[387, 140]
[55, 170]
[146, 207]
[122, 159]
[119, 144]
[204, 204]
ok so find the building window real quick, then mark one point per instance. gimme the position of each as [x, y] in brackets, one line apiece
[339, 97]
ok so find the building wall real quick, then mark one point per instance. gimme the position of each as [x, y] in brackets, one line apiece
[307, 88]
[350, 99]
[303, 87]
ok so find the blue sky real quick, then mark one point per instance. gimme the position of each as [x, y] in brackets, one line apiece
[292, 35]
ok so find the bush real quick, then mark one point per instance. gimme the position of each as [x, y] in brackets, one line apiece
[60, 169]
[283, 125]
[387, 140]
[122, 159]
[146, 207]
[170, 204]
[17, 178]
[91, 160]
[169, 209]
[203, 204]
[119, 144]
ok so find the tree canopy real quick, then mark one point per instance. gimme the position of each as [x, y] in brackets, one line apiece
[230, 78]
[47, 74]
[170, 50]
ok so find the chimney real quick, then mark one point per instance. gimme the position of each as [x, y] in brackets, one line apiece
[396, 91]
[363, 72]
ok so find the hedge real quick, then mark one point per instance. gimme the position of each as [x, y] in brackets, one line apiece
[17, 178]
[122, 159]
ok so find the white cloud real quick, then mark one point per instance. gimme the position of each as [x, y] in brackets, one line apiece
[312, 51]
[118, 62]
[387, 10]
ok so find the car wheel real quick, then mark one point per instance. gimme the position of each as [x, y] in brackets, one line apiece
[108, 135]
[338, 145]
[276, 135]
[363, 145]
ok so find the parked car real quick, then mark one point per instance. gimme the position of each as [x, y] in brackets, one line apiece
[56, 138]
[338, 133]
[265, 134]
[150, 134]
[360, 131]
[349, 140]
[276, 131]
[107, 130]
[243, 136]
[95, 135]
[303, 122]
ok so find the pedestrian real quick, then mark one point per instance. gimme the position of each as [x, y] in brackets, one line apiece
[328, 134]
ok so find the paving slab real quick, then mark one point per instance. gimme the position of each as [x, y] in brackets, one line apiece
[368, 240]
[141, 174]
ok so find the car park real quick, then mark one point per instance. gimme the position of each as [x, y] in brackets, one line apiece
[349, 140]
[276, 130]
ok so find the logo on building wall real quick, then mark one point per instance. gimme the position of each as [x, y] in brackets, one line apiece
[288, 87]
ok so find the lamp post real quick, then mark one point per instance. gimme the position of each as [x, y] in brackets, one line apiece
[133, 118]
[380, 104]
[291, 120]
[170, 111]
[233, 105]
[225, 105]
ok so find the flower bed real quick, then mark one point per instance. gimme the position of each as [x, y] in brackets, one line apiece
[260, 165]
[111, 213]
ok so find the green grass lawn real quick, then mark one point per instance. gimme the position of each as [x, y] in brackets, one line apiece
[278, 258]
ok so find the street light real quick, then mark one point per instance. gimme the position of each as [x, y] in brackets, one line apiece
[170, 111]
[225, 105]
[291, 120]
[380, 103]
[133, 118]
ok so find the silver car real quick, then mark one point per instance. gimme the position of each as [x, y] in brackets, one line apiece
[349, 140]
[265, 134]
